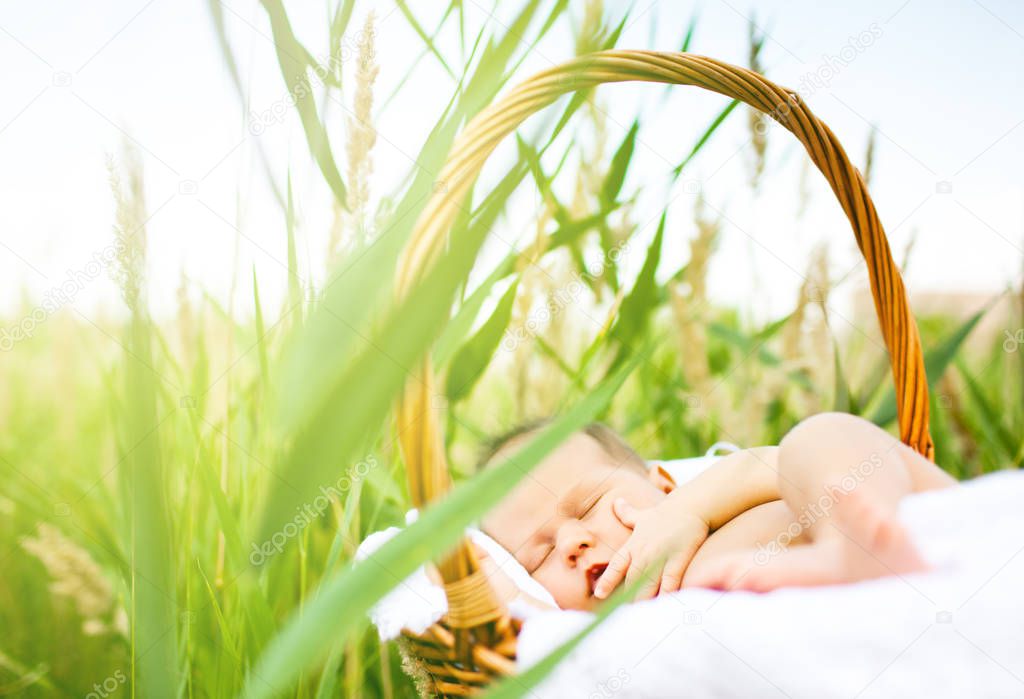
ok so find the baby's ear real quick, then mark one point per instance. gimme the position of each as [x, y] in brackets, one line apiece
[661, 479]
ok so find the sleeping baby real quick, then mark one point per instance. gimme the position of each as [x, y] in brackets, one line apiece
[820, 508]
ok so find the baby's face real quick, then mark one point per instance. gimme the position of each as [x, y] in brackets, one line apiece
[558, 522]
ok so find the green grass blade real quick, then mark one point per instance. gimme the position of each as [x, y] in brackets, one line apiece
[532, 158]
[225, 518]
[874, 384]
[935, 362]
[220, 30]
[571, 231]
[228, 640]
[843, 400]
[339, 23]
[991, 418]
[748, 344]
[424, 37]
[472, 359]
[490, 74]
[295, 60]
[327, 687]
[705, 137]
[459, 326]
[559, 7]
[612, 184]
[154, 614]
[294, 281]
[641, 302]
[546, 349]
[690, 29]
[260, 331]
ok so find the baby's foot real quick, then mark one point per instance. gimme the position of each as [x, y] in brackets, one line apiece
[875, 543]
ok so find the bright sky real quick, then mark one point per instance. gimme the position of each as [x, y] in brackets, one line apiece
[942, 82]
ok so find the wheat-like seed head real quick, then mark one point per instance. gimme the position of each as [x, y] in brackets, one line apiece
[792, 334]
[757, 121]
[804, 188]
[590, 26]
[75, 576]
[690, 310]
[130, 224]
[362, 136]
[807, 338]
[821, 361]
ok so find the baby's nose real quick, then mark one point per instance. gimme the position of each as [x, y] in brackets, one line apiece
[575, 540]
[577, 553]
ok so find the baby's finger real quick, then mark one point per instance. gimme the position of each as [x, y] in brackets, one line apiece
[639, 561]
[649, 574]
[651, 588]
[672, 576]
[483, 558]
[626, 513]
[613, 574]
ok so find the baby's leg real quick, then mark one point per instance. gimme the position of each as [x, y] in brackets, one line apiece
[843, 477]
[832, 460]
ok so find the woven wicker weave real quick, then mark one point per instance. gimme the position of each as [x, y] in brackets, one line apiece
[476, 641]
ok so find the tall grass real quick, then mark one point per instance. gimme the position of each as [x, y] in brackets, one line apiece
[185, 524]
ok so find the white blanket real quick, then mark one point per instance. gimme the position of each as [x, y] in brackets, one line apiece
[956, 631]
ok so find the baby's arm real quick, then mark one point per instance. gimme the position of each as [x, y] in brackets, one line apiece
[730, 487]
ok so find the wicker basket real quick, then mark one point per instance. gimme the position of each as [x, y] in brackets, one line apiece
[476, 641]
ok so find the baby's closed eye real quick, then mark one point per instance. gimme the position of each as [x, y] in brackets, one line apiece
[588, 505]
[546, 553]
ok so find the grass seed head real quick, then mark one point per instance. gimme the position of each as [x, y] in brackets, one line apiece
[76, 576]
[126, 184]
[362, 136]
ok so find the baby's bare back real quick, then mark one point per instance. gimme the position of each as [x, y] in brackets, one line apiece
[766, 525]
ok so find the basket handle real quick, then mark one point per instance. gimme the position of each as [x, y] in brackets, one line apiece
[419, 429]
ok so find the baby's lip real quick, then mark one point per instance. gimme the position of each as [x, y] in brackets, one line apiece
[594, 573]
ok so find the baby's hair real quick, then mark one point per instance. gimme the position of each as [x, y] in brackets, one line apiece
[614, 446]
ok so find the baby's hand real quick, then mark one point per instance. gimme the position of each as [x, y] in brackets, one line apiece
[504, 588]
[662, 533]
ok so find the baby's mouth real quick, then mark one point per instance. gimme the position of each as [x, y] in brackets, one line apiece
[594, 573]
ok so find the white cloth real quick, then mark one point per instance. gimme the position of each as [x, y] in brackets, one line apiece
[955, 631]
